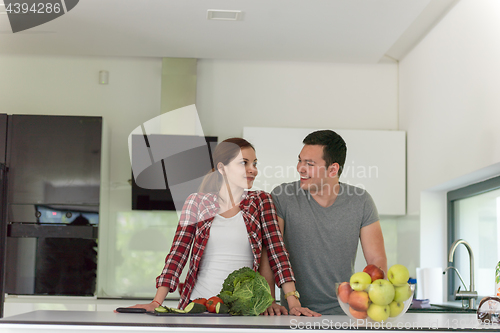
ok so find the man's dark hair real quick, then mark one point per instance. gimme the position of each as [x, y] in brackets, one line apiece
[334, 147]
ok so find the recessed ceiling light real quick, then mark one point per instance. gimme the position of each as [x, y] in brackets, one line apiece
[224, 15]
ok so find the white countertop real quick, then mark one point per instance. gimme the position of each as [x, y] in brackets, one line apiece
[107, 321]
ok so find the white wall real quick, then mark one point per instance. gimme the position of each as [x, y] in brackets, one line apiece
[449, 106]
[234, 94]
[449, 100]
[55, 85]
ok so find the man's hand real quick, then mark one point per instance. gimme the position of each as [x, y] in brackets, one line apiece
[275, 309]
[296, 308]
[300, 311]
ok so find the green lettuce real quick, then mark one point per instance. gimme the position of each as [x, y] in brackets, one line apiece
[246, 292]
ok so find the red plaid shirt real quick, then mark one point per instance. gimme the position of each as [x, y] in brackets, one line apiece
[193, 231]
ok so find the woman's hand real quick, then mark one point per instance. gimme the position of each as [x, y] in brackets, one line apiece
[149, 307]
[275, 309]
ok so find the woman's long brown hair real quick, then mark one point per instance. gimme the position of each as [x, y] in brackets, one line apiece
[224, 153]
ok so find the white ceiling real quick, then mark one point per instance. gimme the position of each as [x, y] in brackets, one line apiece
[356, 31]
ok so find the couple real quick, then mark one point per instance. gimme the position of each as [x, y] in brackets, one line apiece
[227, 227]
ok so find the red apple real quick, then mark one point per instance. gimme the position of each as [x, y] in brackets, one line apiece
[358, 314]
[344, 292]
[359, 300]
[374, 272]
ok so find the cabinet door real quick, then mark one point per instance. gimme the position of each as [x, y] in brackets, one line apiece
[54, 159]
[376, 161]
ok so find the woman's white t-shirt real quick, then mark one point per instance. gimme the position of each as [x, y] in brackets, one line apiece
[228, 248]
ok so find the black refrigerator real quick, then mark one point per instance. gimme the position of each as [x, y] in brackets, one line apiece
[49, 204]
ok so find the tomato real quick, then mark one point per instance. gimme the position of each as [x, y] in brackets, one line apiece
[212, 303]
[202, 301]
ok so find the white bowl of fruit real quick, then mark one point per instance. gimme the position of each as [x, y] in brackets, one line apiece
[368, 295]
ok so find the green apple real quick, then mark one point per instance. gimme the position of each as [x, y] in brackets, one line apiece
[396, 308]
[381, 292]
[402, 292]
[360, 281]
[378, 312]
[398, 274]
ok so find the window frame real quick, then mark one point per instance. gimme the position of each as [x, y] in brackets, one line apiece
[465, 192]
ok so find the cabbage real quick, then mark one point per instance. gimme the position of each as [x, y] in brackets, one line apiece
[246, 292]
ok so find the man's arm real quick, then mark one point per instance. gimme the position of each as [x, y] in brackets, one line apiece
[281, 224]
[372, 243]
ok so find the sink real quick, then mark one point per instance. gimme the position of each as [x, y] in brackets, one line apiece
[439, 308]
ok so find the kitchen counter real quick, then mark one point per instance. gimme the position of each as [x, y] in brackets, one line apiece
[107, 321]
[434, 308]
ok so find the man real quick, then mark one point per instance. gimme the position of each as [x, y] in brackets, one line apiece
[322, 221]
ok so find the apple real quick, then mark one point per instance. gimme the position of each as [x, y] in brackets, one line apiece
[357, 314]
[398, 274]
[402, 292]
[344, 291]
[360, 281]
[396, 308]
[374, 272]
[359, 300]
[381, 292]
[378, 312]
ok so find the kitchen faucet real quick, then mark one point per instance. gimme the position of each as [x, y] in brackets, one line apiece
[471, 295]
[458, 273]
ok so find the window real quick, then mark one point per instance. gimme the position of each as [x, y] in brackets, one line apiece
[474, 215]
[142, 242]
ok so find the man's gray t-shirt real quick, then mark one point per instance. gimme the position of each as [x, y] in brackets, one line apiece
[322, 241]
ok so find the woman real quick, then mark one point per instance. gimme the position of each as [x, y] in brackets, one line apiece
[226, 227]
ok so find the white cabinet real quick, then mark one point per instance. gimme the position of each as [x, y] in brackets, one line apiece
[376, 161]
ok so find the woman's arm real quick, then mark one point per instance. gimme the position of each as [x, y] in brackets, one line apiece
[181, 245]
[161, 293]
[267, 273]
[272, 241]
